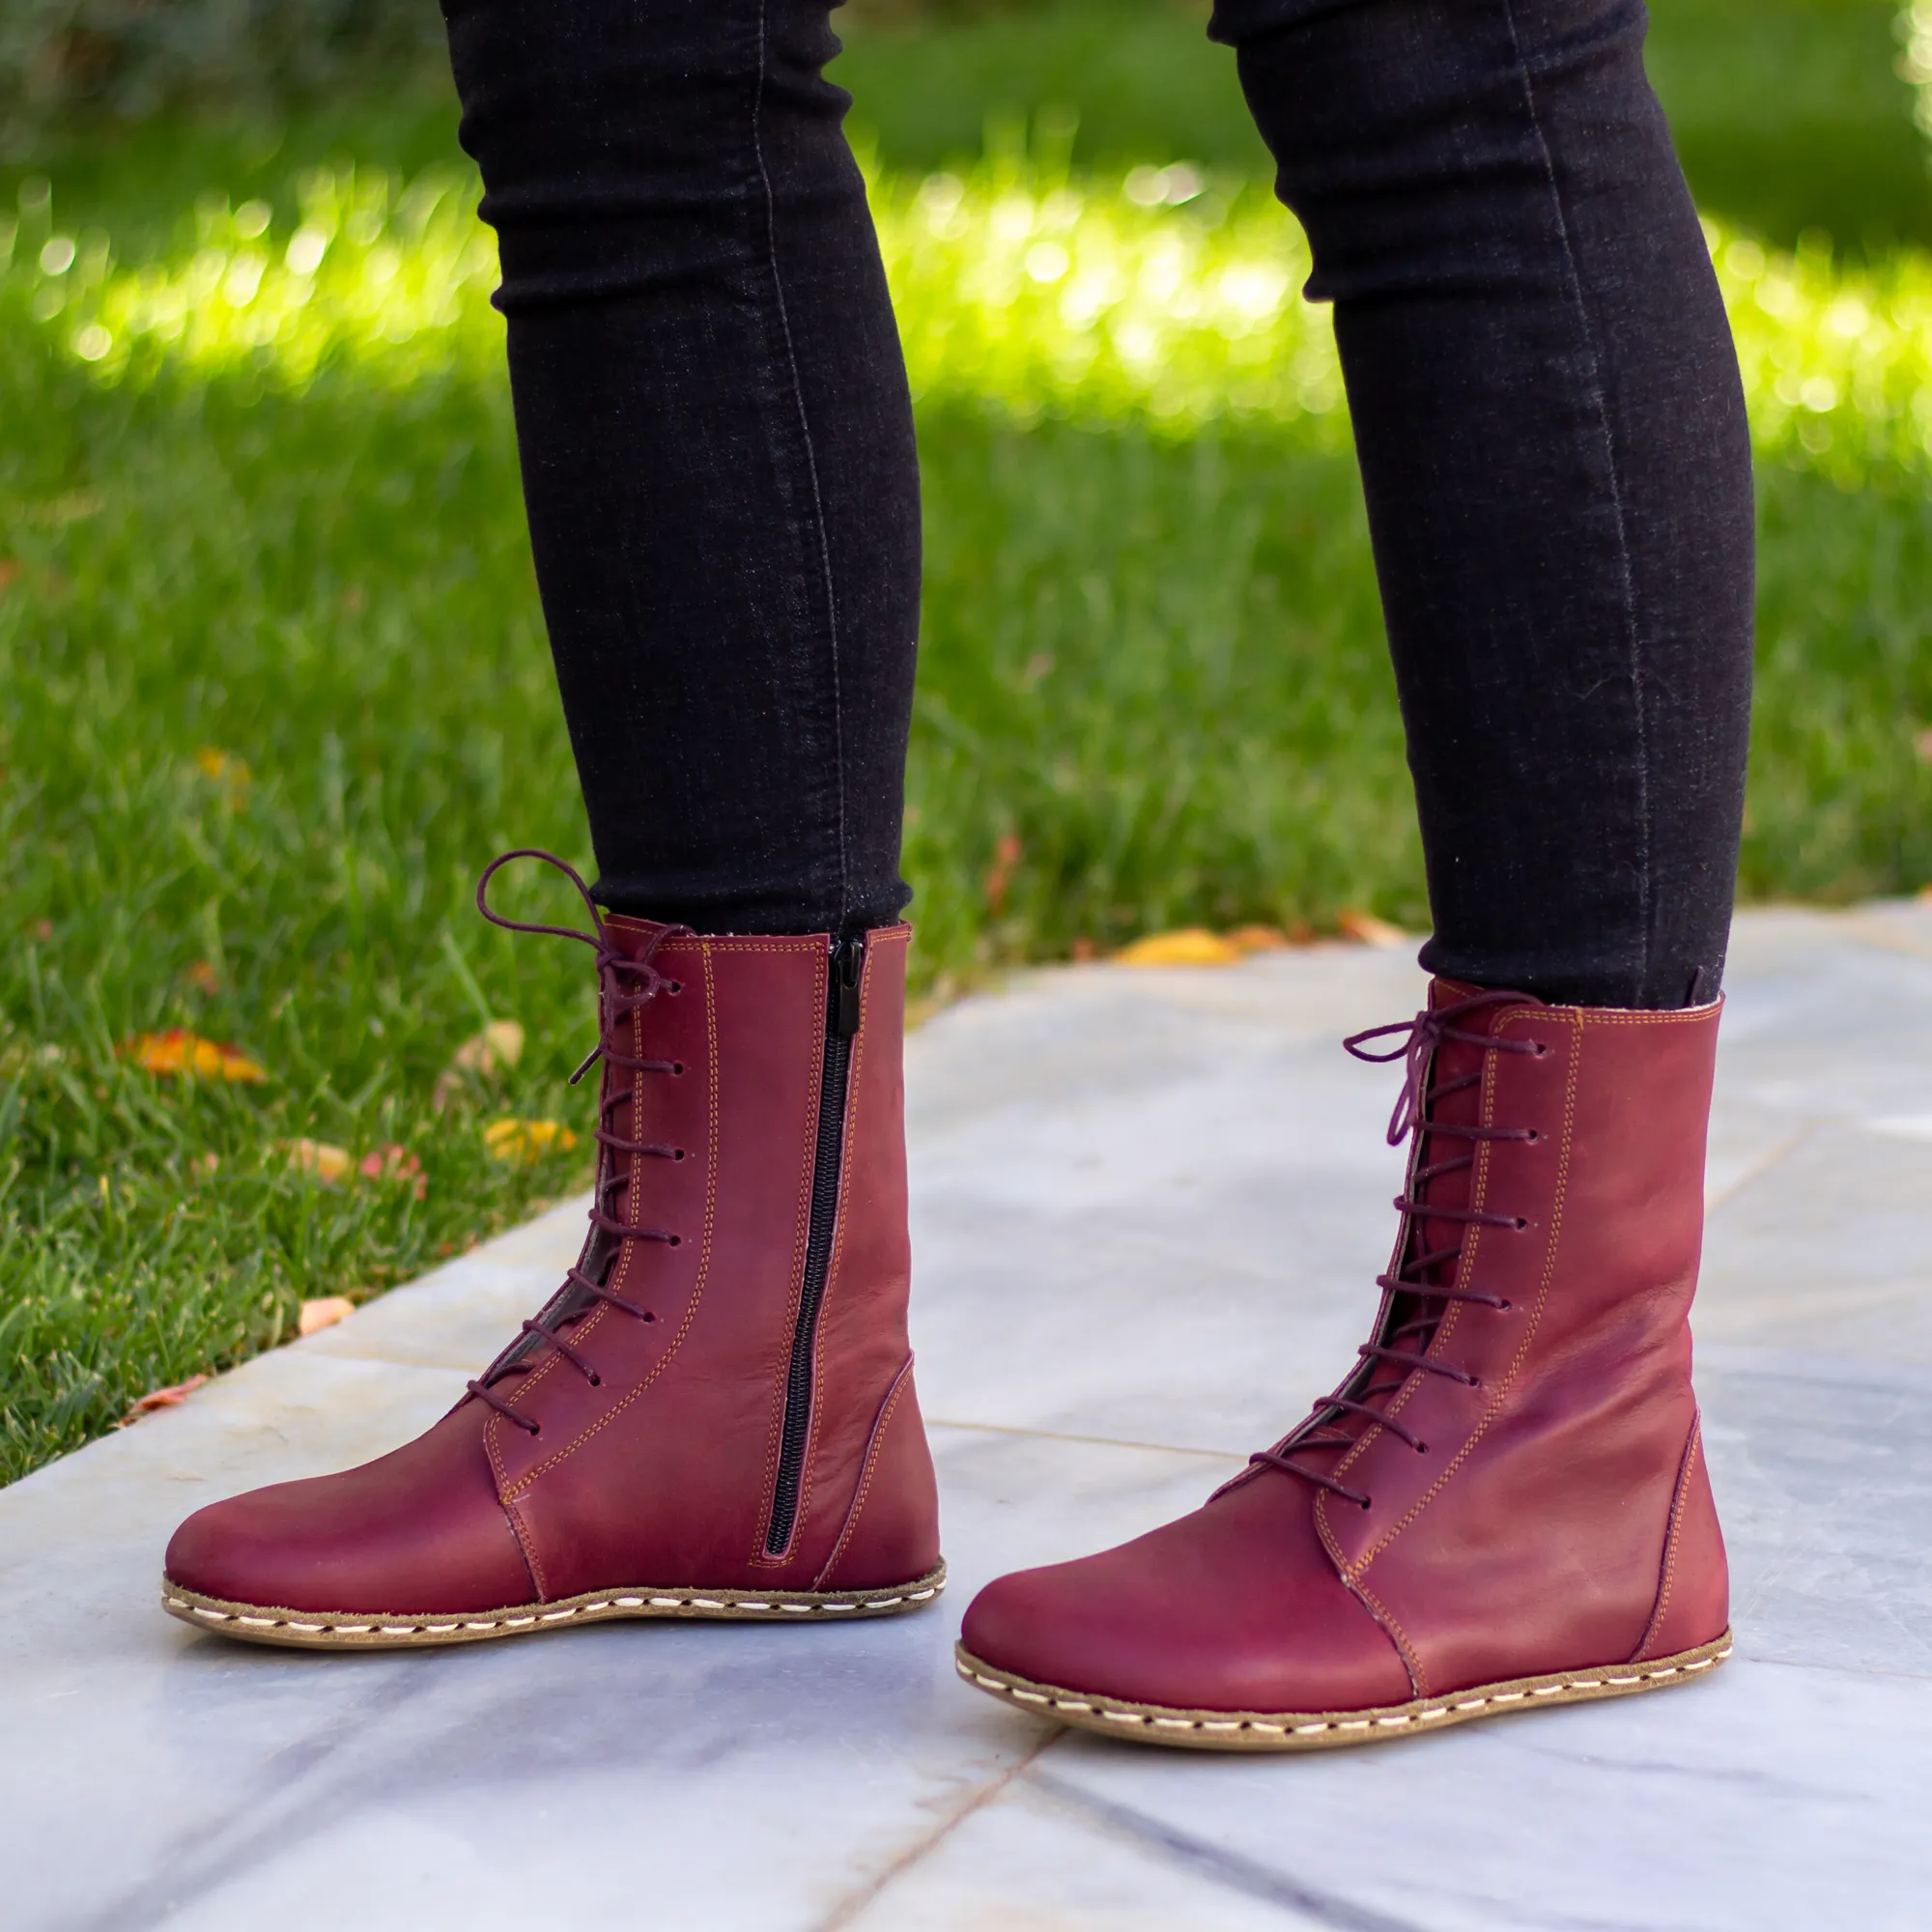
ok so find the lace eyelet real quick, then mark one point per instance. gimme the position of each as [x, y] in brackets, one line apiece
[648, 1315]
[1503, 1307]
[1422, 1448]
[1542, 1051]
[1366, 1501]
[674, 986]
[677, 1066]
[677, 1153]
[675, 1242]
[1534, 1135]
[1520, 1224]
[597, 1381]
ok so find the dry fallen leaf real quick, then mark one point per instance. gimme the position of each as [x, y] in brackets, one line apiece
[391, 1162]
[1366, 929]
[324, 1312]
[178, 1051]
[499, 1044]
[224, 768]
[203, 977]
[162, 1397]
[1188, 945]
[1258, 938]
[1007, 856]
[329, 1164]
[525, 1140]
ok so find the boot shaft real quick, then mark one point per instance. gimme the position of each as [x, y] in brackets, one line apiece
[1505, 1501]
[769, 1249]
[714, 1415]
[1563, 1446]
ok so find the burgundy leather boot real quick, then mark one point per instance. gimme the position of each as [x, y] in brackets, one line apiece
[1505, 1504]
[714, 1416]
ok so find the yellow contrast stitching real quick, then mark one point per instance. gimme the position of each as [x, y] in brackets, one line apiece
[534, 1615]
[683, 1328]
[1673, 1524]
[1494, 1406]
[873, 1450]
[1154, 1716]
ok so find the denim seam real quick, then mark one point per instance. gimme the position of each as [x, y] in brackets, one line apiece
[1601, 403]
[810, 459]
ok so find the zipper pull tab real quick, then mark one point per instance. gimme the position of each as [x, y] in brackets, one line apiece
[848, 958]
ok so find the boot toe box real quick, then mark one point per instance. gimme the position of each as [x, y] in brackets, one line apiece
[1222, 1610]
[419, 1531]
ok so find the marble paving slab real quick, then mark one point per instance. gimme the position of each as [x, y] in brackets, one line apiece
[1147, 1209]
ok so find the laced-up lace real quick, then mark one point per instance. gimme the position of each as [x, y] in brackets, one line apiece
[583, 1291]
[1423, 1278]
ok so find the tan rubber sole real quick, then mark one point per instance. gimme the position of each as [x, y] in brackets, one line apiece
[1324, 1730]
[317, 1630]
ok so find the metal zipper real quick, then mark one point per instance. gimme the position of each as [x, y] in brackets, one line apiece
[841, 1026]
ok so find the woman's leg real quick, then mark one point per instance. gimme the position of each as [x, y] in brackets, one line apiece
[1505, 1501]
[717, 445]
[1555, 451]
[714, 1415]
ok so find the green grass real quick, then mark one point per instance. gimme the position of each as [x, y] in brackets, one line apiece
[328, 592]
[1787, 113]
[1152, 671]
[1790, 119]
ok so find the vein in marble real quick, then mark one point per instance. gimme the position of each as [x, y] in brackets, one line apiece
[1149, 1208]
[1767, 1798]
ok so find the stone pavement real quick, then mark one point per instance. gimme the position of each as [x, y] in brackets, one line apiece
[1149, 1208]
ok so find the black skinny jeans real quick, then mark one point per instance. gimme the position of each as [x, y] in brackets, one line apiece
[722, 491]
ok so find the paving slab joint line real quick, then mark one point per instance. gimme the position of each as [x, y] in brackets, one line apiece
[1231, 1870]
[1091, 1441]
[1758, 1169]
[854, 1903]
[1872, 932]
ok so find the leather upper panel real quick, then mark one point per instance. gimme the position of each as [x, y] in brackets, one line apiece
[416, 1532]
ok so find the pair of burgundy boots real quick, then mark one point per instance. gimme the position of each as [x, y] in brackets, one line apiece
[1503, 1504]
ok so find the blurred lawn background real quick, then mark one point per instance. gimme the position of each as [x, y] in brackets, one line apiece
[272, 677]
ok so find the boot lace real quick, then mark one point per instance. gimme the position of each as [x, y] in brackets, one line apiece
[624, 984]
[1422, 1285]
